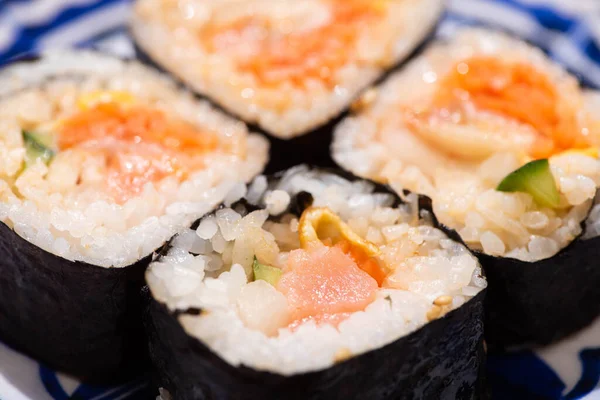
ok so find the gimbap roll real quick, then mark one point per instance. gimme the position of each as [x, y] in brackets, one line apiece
[314, 285]
[102, 161]
[505, 142]
[287, 66]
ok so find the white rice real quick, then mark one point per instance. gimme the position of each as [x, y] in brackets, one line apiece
[377, 144]
[44, 204]
[245, 323]
[169, 32]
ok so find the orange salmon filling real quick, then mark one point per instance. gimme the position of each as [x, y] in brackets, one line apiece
[517, 91]
[296, 57]
[316, 222]
[368, 264]
[325, 285]
[140, 144]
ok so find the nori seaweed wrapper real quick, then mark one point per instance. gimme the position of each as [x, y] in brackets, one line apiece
[538, 303]
[530, 304]
[445, 359]
[311, 147]
[72, 316]
[442, 360]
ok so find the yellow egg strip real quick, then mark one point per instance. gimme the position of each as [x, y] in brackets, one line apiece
[91, 99]
[321, 220]
[589, 151]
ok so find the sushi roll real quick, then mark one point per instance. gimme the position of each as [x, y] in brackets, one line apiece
[102, 161]
[317, 285]
[287, 66]
[505, 142]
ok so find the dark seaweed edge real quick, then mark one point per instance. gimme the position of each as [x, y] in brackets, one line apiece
[25, 57]
[72, 316]
[312, 146]
[444, 359]
[175, 353]
[531, 304]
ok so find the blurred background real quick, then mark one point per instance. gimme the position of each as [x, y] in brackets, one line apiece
[569, 30]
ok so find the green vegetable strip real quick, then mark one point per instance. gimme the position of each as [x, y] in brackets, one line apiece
[266, 272]
[536, 179]
[35, 149]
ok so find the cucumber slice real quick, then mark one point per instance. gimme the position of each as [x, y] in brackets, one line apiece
[266, 273]
[36, 147]
[536, 179]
